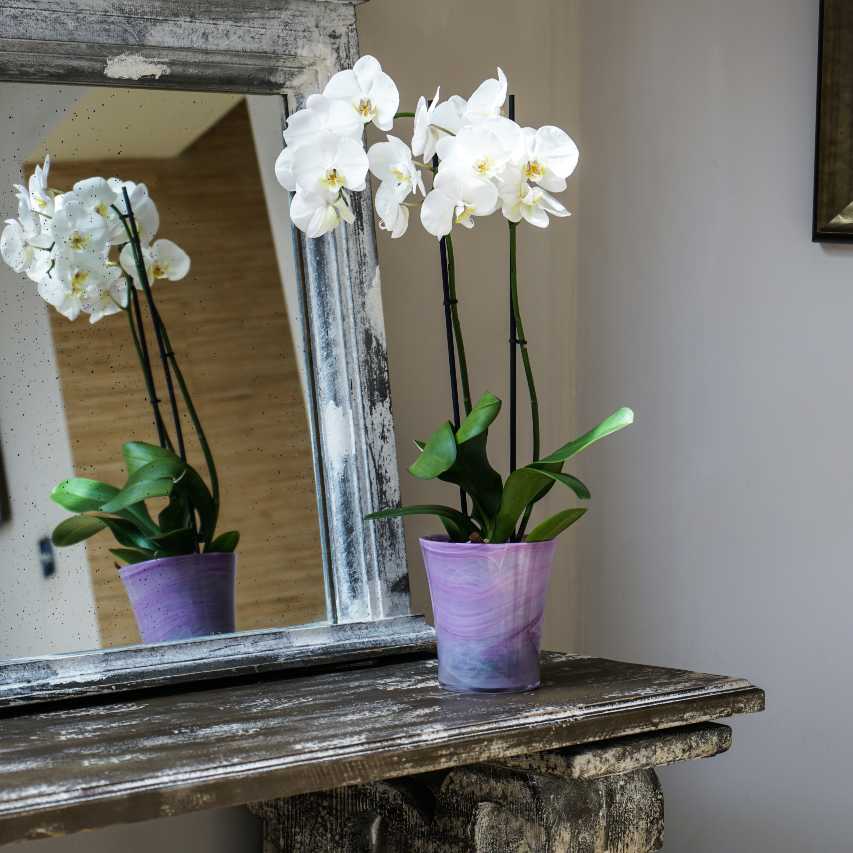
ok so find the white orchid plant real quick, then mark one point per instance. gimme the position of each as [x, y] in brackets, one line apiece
[92, 251]
[478, 161]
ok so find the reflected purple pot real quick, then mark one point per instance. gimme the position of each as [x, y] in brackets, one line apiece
[178, 598]
[488, 602]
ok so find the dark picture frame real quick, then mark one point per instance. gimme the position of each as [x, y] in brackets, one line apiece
[833, 183]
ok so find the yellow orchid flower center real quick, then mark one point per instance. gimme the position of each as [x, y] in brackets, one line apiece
[484, 167]
[78, 282]
[333, 180]
[103, 209]
[534, 170]
[40, 202]
[465, 214]
[400, 175]
[366, 109]
[78, 241]
[159, 270]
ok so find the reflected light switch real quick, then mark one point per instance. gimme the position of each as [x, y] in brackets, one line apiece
[48, 562]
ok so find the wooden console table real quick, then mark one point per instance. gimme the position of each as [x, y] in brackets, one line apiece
[379, 758]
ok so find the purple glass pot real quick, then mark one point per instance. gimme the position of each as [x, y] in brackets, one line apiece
[488, 602]
[178, 598]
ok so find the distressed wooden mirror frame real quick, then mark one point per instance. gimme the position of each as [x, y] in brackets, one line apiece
[289, 48]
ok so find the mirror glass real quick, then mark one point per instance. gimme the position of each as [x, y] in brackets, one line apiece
[72, 393]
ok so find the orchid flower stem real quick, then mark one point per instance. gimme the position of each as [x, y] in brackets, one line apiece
[130, 225]
[137, 330]
[404, 115]
[525, 360]
[457, 326]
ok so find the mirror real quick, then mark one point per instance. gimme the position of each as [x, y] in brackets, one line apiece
[72, 393]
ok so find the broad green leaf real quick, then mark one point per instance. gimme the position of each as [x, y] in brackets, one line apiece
[198, 495]
[438, 454]
[127, 533]
[457, 526]
[479, 419]
[174, 543]
[132, 555]
[552, 527]
[76, 529]
[138, 492]
[519, 490]
[159, 469]
[177, 514]
[225, 543]
[80, 494]
[566, 479]
[472, 472]
[618, 420]
[139, 453]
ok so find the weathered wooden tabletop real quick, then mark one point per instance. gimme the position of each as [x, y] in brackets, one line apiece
[63, 770]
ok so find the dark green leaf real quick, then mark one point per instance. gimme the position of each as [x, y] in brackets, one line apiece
[137, 492]
[519, 490]
[159, 469]
[132, 555]
[80, 494]
[472, 472]
[174, 543]
[618, 420]
[177, 514]
[139, 453]
[127, 533]
[198, 495]
[76, 529]
[552, 527]
[457, 526]
[438, 454]
[225, 543]
[479, 419]
[566, 479]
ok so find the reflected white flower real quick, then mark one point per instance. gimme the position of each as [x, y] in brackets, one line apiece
[329, 165]
[520, 200]
[393, 214]
[78, 282]
[20, 254]
[98, 197]
[40, 197]
[392, 162]
[549, 156]
[77, 228]
[318, 213]
[369, 91]
[457, 197]
[163, 259]
[144, 210]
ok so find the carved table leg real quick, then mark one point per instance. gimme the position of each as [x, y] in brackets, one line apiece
[598, 798]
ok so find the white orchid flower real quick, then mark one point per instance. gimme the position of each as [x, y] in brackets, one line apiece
[457, 197]
[369, 91]
[318, 213]
[483, 150]
[39, 194]
[77, 228]
[97, 196]
[321, 118]
[308, 126]
[330, 165]
[487, 100]
[20, 254]
[144, 210]
[104, 302]
[549, 156]
[393, 213]
[77, 283]
[392, 162]
[163, 259]
[520, 200]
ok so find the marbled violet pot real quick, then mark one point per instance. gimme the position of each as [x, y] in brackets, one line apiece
[178, 598]
[488, 602]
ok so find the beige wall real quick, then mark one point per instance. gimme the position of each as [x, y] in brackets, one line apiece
[458, 45]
